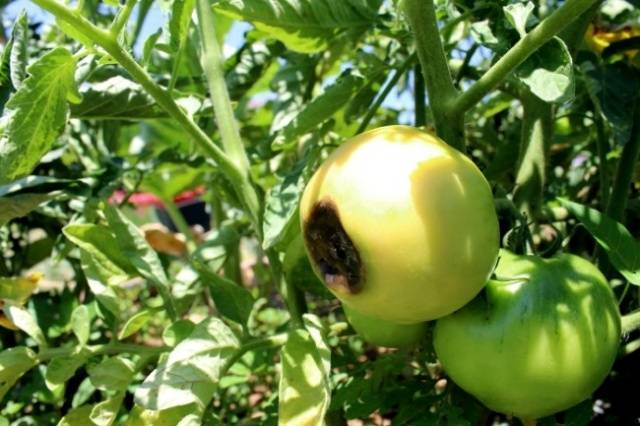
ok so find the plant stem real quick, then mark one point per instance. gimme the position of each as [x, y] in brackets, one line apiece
[236, 176]
[296, 303]
[398, 72]
[537, 132]
[602, 144]
[419, 96]
[252, 345]
[105, 349]
[535, 39]
[631, 322]
[122, 17]
[626, 167]
[213, 64]
[421, 15]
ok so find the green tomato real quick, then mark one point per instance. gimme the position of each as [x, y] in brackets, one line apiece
[537, 342]
[384, 333]
[400, 226]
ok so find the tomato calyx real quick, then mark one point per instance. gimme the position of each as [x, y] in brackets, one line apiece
[332, 250]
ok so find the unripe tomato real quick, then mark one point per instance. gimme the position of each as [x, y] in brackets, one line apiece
[384, 333]
[400, 226]
[536, 344]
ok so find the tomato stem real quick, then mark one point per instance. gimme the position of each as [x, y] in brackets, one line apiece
[422, 19]
[524, 48]
[537, 132]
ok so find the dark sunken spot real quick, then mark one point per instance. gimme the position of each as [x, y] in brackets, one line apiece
[332, 250]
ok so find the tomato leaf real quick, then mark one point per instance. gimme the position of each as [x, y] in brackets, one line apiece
[112, 374]
[101, 245]
[303, 25]
[548, 73]
[191, 371]
[105, 412]
[305, 390]
[37, 113]
[180, 22]
[14, 362]
[62, 369]
[136, 322]
[81, 323]
[616, 240]
[25, 322]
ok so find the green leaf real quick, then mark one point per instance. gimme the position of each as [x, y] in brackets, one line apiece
[136, 322]
[134, 246]
[232, 300]
[81, 324]
[177, 332]
[149, 46]
[112, 374]
[320, 108]
[104, 413]
[180, 22]
[518, 14]
[614, 89]
[170, 417]
[18, 290]
[116, 98]
[192, 369]
[281, 217]
[14, 362]
[95, 278]
[19, 55]
[548, 73]
[482, 34]
[214, 250]
[39, 185]
[21, 205]
[305, 389]
[102, 246]
[80, 416]
[25, 322]
[36, 113]
[62, 369]
[303, 25]
[621, 248]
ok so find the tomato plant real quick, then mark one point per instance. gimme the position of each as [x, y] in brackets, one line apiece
[201, 201]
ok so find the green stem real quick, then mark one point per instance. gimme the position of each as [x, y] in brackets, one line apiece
[537, 132]
[253, 345]
[296, 303]
[631, 347]
[421, 15]
[213, 64]
[371, 112]
[122, 17]
[535, 39]
[106, 349]
[236, 176]
[602, 144]
[626, 167]
[419, 96]
[631, 322]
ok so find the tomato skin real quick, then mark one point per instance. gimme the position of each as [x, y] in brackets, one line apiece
[404, 200]
[537, 344]
[384, 333]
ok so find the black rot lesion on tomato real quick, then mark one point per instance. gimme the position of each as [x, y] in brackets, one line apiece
[332, 250]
